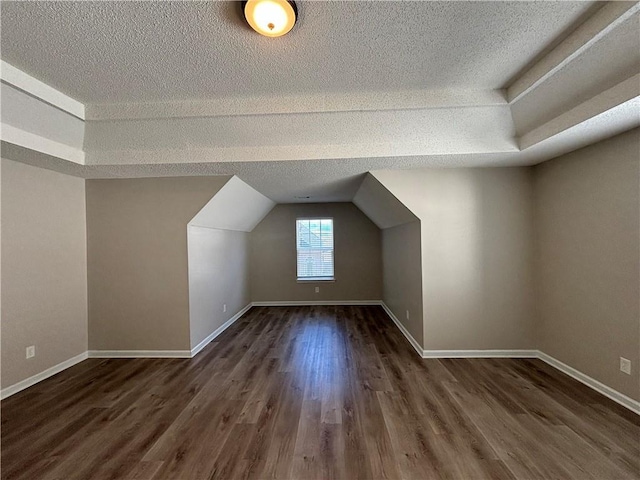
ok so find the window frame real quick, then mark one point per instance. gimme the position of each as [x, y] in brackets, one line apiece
[333, 250]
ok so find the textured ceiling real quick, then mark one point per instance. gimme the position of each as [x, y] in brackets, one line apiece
[109, 52]
[104, 52]
[610, 61]
[338, 180]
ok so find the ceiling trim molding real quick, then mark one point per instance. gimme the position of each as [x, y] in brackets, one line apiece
[313, 103]
[603, 22]
[625, 91]
[40, 144]
[22, 81]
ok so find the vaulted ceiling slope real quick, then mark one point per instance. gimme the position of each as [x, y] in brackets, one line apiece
[125, 89]
[380, 205]
[236, 206]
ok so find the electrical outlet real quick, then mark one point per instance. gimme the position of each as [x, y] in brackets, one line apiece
[407, 314]
[317, 289]
[625, 365]
[31, 351]
[224, 307]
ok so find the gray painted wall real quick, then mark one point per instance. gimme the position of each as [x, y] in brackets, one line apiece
[476, 258]
[588, 259]
[137, 260]
[44, 269]
[358, 259]
[402, 276]
[218, 275]
[477, 244]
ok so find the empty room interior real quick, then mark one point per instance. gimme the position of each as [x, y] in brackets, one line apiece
[320, 240]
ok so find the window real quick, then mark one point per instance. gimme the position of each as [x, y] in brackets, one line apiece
[314, 243]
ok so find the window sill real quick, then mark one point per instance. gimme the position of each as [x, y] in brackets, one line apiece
[316, 280]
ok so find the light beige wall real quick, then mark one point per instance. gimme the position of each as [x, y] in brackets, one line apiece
[588, 259]
[358, 259]
[44, 269]
[402, 276]
[218, 275]
[137, 260]
[477, 236]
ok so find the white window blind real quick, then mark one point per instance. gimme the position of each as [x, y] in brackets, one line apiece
[314, 242]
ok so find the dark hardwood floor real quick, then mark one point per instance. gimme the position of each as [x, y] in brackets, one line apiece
[315, 392]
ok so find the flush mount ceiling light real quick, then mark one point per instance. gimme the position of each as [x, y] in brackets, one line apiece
[271, 18]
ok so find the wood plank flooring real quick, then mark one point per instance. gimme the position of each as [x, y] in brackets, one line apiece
[315, 393]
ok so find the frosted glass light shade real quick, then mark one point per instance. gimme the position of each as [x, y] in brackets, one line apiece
[271, 18]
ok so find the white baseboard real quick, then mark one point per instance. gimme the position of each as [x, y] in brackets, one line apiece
[139, 353]
[479, 354]
[609, 392]
[414, 343]
[49, 372]
[195, 350]
[311, 303]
